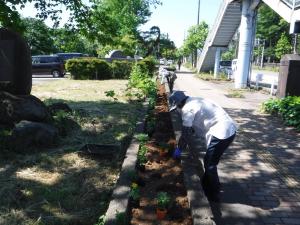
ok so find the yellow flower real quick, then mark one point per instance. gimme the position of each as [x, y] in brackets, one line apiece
[134, 185]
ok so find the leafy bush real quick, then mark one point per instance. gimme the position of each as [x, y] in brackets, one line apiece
[89, 69]
[148, 65]
[139, 80]
[288, 108]
[121, 69]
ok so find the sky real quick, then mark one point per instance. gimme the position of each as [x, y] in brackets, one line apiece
[173, 17]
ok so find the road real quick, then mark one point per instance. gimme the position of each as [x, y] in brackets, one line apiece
[36, 79]
[267, 77]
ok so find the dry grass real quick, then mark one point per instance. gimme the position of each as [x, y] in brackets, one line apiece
[236, 93]
[59, 185]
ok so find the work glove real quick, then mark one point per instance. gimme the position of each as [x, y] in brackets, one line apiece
[176, 153]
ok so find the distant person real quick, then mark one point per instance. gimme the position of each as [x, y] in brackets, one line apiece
[179, 62]
[208, 120]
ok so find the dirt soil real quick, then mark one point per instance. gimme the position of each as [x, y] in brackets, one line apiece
[162, 173]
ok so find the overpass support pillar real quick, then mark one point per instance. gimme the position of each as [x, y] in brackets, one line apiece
[245, 44]
[217, 62]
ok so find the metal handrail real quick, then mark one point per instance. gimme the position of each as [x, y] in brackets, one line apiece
[293, 4]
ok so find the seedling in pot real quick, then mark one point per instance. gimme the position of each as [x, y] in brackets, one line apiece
[141, 157]
[134, 195]
[164, 148]
[163, 202]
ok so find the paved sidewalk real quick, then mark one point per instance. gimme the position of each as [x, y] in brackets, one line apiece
[260, 172]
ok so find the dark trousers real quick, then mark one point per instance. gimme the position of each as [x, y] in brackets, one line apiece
[212, 157]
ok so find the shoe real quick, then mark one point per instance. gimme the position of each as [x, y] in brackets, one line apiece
[214, 197]
[205, 186]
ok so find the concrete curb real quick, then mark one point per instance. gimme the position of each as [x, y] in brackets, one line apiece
[120, 197]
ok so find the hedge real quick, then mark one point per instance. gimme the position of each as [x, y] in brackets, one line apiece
[97, 69]
[89, 69]
[121, 69]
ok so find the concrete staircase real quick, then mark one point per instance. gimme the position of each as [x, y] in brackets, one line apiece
[228, 21]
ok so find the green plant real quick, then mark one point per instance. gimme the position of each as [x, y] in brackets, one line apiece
[121, 69]
[140, 83]
[142, 138]
[163, 200]
[121, 218]
[150, 125]
[134, 193]
[141, 157]
[64, 121]
[288, 108]
[4, 137]
[111, 93]
[101, 220]
[132, 175]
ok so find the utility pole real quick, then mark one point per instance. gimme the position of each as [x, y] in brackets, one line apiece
[198, 12]
[198, 18]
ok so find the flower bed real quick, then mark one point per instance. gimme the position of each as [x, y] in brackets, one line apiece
[158, 183]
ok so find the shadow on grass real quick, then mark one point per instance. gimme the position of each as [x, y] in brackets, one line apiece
[59, 186]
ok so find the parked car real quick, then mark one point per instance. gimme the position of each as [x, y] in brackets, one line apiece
[70, 55]
[48, 64]
[169, 62]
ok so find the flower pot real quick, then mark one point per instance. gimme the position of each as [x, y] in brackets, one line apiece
[163, 153]
[161, 213]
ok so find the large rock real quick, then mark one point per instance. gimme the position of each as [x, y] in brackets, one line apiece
[13, 109]
[59, 106]
[27, 134]
[15, 63]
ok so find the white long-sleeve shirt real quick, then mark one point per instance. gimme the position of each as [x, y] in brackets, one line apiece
[207, 119]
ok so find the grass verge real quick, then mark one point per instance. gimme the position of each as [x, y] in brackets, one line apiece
[59, 185]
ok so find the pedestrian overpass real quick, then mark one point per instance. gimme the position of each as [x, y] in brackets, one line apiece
[232, 15]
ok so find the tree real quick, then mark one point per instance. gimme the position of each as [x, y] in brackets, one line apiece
[38, 36]
[111, 20]
[195, 39]
[283, 46]
[10, 18]
[69, 40]
[151, 41]
[269, 27]
[167, 47]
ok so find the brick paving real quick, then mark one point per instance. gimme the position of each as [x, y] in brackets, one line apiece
[260, 171]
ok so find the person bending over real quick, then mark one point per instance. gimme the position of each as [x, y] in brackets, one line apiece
[210, 121]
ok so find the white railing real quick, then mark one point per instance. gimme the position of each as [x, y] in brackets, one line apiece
[293, 4]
